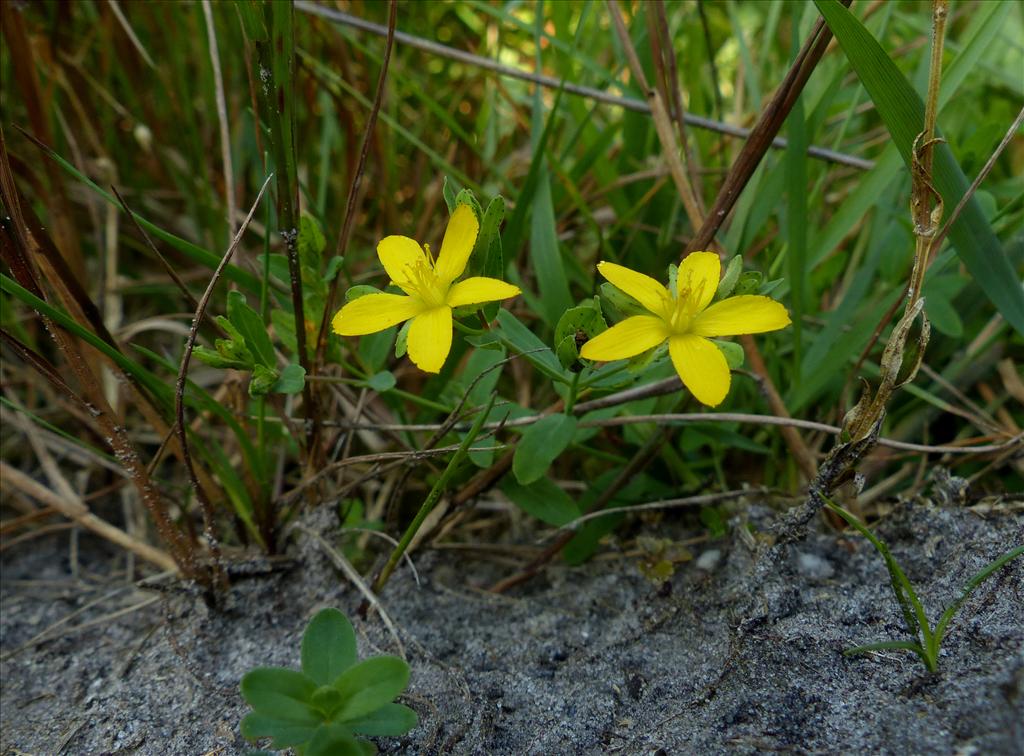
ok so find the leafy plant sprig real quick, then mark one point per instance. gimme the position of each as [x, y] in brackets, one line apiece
[322, 710]
[927, 639]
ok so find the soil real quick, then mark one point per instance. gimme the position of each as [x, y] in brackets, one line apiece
[585, 660]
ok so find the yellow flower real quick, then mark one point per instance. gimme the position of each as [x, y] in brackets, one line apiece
[686, 322]
[430, 291]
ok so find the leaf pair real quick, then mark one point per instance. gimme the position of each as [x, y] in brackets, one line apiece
[322, 709]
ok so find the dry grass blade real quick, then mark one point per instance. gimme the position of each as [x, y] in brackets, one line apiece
[78, 512]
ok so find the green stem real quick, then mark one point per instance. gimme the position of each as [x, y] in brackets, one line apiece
[432, 498]
[570, 400]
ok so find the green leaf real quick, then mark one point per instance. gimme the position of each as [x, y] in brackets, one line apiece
[291, 381]
[449, 195]
[545, 254]
[371, 684]
[280, 693]
[263, 380]
[544, 500]
[519, 338]
[383, 381]
[333, 266]
[284, 733]
[540, 445]
[328, 646]
[621, 301]
[903, 113]
[390, 720]
[334, 740]
[250, 325]
[360, 290]
[576, 326]
[731, 277]
[311, 242]
[734, 354]
[218, 360]
[749, 282]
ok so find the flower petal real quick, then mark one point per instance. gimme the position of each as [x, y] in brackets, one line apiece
[479, 289]
[698, 277]
[398, 255]
[748, 313]
[457, 246]
[374, 312]
[626, 339]
[702, 368]
[430, 339]
[643, 289]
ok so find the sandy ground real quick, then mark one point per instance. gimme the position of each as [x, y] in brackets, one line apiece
[584, 660]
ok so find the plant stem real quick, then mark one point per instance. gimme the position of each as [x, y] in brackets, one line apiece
[433, 497]
[570, 400]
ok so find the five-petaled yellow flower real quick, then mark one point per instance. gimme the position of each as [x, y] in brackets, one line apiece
[686, 321]
[430, 291]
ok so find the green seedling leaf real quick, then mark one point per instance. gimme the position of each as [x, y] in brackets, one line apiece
[328, 646]
[544, 500]
[280, 693]
[540, 445]
[734, 354]
[370, 684]
[284, 733]
[327, 699]
[336, 740]
[902, 111]
[291, 381]
[390, 720]
[731, 277]
[250, 325]
[383, 381]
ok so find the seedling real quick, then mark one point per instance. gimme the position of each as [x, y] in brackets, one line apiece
[927, 639]
[322, 710]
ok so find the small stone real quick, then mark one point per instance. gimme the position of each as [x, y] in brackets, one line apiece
[813, 566]
[709, 560]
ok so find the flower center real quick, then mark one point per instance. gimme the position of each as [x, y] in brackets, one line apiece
[685, 306]
[424, 280]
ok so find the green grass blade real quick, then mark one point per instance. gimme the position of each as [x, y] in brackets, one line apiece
[974, 582]
[913, 612]
[903, 113]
